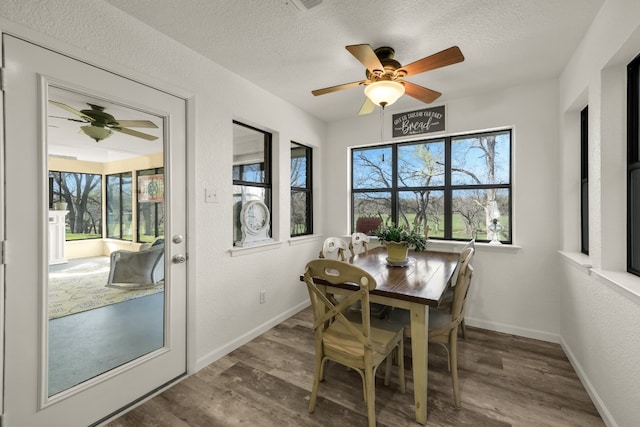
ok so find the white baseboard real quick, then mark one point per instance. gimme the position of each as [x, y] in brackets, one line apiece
[591, 391]
[241, 340]
[513, 330]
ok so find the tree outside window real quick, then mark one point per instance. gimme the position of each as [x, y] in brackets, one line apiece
[301, 195]
[83, 194]
[455, 186]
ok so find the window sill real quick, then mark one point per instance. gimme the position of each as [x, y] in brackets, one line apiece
[577, 258]
[623, 282]
[456, 246]
[238, 251]
[302, 240]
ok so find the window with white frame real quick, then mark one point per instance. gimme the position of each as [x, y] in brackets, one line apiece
[301, 194]
[457, 186]
[584, 180]
[251, 170]
[633, 166]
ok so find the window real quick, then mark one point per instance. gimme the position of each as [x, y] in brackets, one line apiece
[83, 194]
[251, 170]
[301, 195]
[455, 186]
[584, 180]
[150, 204]
[633, 167]
[119, 206]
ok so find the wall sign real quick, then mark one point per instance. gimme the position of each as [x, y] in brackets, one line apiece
[420, 121]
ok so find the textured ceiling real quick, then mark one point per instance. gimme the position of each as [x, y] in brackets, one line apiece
[290, 53]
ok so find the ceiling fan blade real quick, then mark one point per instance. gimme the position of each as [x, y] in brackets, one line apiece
[135, 133]
[443, 58]
[68, 118]
[365, 54]
[136, 124]
[72, 110]
[367, 107]
[337, 88]
[421, 93]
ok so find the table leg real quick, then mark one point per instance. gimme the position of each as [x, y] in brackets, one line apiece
[419, 354]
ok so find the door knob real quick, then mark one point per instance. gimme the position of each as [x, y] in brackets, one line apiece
[177, 238]
[179, 259]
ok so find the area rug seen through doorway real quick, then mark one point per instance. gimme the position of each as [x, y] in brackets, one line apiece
[80, 286]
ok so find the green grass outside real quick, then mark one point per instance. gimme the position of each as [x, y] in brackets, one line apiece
[458, 231]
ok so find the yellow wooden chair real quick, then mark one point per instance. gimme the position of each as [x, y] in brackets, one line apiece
[447, 299]
[357, 345]
[334, 248]
[359, 243]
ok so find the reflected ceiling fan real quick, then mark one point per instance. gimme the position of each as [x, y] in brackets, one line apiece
[100, 123]
[386, 82]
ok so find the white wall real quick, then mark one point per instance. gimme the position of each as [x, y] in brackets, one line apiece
[600, 305]
[224, 291]
[515, 290]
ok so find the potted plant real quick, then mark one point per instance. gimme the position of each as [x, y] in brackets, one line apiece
[399, 240]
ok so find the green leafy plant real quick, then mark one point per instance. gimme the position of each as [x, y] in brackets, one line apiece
[396, 233]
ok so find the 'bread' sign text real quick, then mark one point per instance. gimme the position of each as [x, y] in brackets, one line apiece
[420, 121]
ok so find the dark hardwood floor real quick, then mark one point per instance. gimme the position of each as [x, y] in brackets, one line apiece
[504, 381]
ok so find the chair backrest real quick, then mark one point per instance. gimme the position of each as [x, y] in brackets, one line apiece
[462, 286]
[324, 310]
[359, 243]
[334, 248]
[471, 244]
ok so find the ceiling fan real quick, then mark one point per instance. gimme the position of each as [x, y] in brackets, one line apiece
[100, 123]
[386, 82]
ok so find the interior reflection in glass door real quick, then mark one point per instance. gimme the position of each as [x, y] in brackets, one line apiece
[106, 236]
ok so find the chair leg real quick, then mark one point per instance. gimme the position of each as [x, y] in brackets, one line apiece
[401, 365]
[370, 392]
[453, 355]
[387, 370]
[317, 376]
[463, 329]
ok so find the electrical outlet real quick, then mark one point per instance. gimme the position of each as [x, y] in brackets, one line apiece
[263, 296]
[210, 195]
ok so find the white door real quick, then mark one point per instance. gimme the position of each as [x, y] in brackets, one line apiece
[75, 365]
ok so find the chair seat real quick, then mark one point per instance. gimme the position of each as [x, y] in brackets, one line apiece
[400, 316]
[337, 338]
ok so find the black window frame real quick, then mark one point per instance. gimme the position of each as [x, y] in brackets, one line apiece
[307, 190]
[157, 207]
[447, 188]
[633, 166]
[120, 178]
[584, 180]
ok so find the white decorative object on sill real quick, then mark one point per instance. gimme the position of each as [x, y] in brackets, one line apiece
[255, 223]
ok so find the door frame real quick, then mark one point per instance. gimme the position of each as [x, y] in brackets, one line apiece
[63, 48]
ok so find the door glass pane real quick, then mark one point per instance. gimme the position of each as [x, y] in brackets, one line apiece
[105, 298]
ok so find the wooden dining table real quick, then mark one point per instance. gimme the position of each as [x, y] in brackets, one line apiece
[415, 287]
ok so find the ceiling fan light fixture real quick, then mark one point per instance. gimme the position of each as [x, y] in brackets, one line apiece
[384, 92]
[96, 132]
